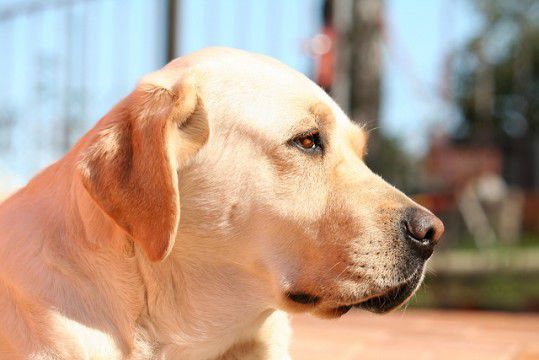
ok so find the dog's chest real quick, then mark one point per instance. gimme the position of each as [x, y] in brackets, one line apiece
[203, 343]
[266, 337]
[191, 348]
[78, 340]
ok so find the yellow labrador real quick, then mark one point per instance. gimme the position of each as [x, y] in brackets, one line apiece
[225, 191]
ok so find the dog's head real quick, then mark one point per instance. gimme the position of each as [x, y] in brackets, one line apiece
[232, 158]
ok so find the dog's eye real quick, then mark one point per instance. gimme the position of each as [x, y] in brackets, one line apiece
[308, 142]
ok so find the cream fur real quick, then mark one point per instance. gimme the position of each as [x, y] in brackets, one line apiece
[174, 228]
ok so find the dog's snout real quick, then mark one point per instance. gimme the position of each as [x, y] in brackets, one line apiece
[423, 230]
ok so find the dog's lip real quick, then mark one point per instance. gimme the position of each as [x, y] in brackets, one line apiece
[341, 310]
[392, 298]
[381, 302]
[386, 301]
[303, 298]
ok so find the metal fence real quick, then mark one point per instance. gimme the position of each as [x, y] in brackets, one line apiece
[64, 63]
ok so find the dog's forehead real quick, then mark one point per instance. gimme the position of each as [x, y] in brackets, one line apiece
[254, 91]
[262, 93]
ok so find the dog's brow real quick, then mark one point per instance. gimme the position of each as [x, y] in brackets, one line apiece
[317, 117]
[323, 115]
[357, 138]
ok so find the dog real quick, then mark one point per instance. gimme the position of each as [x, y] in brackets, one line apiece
[224, 192]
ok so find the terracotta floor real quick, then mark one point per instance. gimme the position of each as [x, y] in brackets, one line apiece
[417, 334]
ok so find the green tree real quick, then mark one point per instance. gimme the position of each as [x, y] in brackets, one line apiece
[496, 86]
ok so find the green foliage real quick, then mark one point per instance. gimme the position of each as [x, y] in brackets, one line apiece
[497, 74]
[490, 291]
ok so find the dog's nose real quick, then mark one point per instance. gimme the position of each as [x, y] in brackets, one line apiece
[423, 230]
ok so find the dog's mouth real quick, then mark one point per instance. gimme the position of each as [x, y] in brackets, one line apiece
[381, 304]
[387, 301]
[391, 299]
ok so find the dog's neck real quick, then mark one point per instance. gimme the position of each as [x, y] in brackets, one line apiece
[191, 303]
[196, 305]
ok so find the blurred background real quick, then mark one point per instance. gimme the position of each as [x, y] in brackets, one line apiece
[449, 90]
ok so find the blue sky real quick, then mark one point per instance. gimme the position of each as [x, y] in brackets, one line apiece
[422, 34]
[115, 42]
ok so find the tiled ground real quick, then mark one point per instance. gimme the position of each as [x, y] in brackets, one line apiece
[417, 334]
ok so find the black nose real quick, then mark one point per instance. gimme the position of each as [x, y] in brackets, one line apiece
[423, 230]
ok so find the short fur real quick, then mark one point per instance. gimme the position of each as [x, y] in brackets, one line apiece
[180, 225]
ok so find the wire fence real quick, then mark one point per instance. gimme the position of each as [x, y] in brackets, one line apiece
[64, 63]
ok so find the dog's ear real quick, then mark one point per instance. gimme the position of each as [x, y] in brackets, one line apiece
[131, 162]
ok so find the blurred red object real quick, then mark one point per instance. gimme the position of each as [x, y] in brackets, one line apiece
[453, 166]
[323, 47]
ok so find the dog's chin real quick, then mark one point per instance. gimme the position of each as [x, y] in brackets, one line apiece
[383, 303]
[332, 313]
[392, 299]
